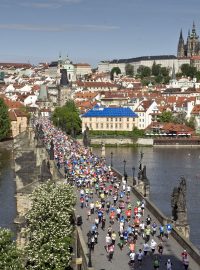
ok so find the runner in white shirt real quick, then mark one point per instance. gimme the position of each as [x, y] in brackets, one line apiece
[140, 256]
[132, 258]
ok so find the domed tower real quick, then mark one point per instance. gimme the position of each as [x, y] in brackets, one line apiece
[181, 49]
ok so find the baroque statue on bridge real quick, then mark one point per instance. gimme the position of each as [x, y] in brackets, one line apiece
[51, 151]
[178, 202]
[86, 138]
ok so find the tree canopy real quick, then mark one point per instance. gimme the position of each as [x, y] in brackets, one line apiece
[156, 74]
[50, 227]
[4, 120]
[67, 118]
[10, 257]
[114, 70]
[129, 70]
[166, 117]
[144, 71]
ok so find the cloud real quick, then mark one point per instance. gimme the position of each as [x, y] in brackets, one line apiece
[63, 28]
[48, 4]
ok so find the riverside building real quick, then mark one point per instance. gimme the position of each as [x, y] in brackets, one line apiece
[109, 119]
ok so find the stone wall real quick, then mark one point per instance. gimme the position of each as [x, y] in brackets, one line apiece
[120, 141]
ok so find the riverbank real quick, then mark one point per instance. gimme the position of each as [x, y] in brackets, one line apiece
[149, 142]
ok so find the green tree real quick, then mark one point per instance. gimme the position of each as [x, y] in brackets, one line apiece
[166, 117]
[158, 79]
[198, 75]
[188, 70]
[129, 70]
[50, 228]
[114, 70]
[138, 133]
[180, 118]
[67, 118]
[10, 257]
[191, 122]
[164, 71]
[143, 71]
[4, 120]
[156, 69]
[166, 80]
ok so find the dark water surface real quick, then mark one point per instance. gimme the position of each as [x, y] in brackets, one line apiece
[7, 190]
[164, 168]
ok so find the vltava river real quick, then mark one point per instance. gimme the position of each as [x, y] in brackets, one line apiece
[164, 168]
[7, 190]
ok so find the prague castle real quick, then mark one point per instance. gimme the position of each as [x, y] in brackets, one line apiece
[192, 46]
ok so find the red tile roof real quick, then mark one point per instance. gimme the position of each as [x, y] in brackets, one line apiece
[196, 110]
[15, 65]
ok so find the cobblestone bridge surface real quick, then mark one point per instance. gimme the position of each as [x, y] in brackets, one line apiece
[172, 249]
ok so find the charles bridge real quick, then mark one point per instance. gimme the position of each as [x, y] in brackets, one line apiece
[34, 166]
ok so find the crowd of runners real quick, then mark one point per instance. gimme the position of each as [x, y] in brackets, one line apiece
[107, 203]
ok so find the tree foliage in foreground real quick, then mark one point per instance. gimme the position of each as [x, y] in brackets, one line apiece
[67, 118]
[50, 228]
[10, 257]
[4, 120]
[114, 70]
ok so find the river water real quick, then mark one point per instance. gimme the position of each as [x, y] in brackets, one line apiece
[7, 190]
[165, 166]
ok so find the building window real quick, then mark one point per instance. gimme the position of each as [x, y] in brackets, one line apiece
[90, 119]
[111, 126]
[120, 125]
[97, 125]
[107, 119]
[107, 125]
[101, 125]
[111, 119]
[127, 125]
[116, 119]
[120, 119]
[116, 126]
[127, 119]
[90, 125]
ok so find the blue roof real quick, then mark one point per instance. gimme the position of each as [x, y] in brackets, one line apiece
[98, 111]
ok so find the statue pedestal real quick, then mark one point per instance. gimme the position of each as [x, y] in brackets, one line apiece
[183, 229]
[103, 150]
[143, 188]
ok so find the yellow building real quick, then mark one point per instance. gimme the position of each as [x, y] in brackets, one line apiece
[109, 118]
[19, 122]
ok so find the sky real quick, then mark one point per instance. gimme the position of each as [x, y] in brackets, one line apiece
[89, 31]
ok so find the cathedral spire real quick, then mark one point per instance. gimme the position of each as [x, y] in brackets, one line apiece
[180, 51]
[193, 29]
[181, 35]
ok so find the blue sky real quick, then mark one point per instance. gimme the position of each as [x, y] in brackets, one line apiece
[92, 30]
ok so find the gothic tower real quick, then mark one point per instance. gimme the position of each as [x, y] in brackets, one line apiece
[193, 43]
[181, 50]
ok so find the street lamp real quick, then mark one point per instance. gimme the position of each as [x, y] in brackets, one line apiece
[111, 159]
[124, 167]
[134, 182]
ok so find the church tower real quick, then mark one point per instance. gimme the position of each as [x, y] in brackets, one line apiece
[181, 49]
[193, 43]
